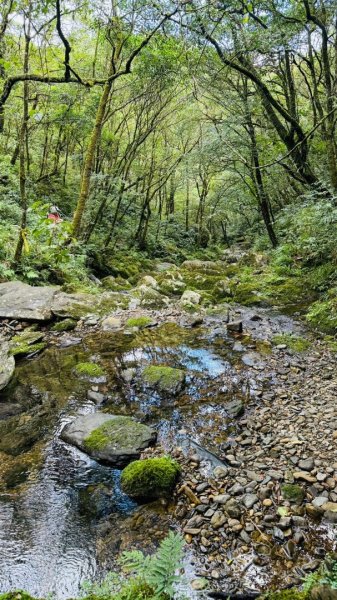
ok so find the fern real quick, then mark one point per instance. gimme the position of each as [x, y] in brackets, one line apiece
[158, 571]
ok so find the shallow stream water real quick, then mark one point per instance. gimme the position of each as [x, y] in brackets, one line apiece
[52, 496]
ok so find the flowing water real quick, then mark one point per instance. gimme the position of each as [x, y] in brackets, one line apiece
[52, 495]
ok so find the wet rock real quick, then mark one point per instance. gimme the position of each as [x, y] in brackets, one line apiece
[7, 364]
[110, 439]
[152, 478]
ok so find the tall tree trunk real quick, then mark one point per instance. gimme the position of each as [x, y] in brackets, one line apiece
[89, 160]
[22, 154]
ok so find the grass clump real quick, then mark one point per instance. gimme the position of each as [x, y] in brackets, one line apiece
[298, 344]
[17, 595]
[139, 322]
[89, 369]
[292, 492]
[291, 594]
[150, 478]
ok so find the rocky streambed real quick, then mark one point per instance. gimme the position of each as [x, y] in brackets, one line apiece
[249, 391]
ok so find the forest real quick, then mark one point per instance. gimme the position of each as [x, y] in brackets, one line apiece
[168, 253]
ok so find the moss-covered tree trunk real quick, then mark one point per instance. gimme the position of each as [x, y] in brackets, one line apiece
[90, 159]
[22, 155]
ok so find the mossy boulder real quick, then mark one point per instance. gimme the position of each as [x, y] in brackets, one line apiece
[150, 478]
[110, 439]
[149, 298]
[165, 379]
[293, 492]
[64, 325]
[26, 342]
[89, 370]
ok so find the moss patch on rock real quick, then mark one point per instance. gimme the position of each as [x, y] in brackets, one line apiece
[150, 478]
[25, 348]
[17, 595]
[165, 379]
[89, 369]
[292, 594]
[65, 325]
[139, 322]
[292, 492]
[293, 342]
[112, 433]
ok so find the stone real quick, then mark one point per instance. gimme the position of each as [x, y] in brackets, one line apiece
[235, 326]
[249, 500]
[149, 281]
[96, 397]
[330, 511]
[218, 519]
[233, 509]
[7, 364]
[221, 498]
[199, 584]
[21, 301]
[307, 464]
[319, 501]
[149, 297]
[235, 408]
[220, 472]
[201, 265]
[111, 324]
[304, 476]
[164, 379]
[190, 298]
[110, 439]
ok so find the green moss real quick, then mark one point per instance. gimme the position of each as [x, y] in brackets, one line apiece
[150, 478]
[166, 379]
[139, 322]
[292, 594]
[292, 492]
[89, 369]
[298, 344]
[25, 348]
[323, 314]
[17, 595]
[65, 325]
[112, 434]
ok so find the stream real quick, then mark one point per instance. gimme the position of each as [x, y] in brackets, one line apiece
[52, 496]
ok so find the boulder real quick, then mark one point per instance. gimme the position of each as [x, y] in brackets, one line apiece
[149, 298]
[21, 301]
[111, 324]
[110, 439]
[235, 326]
[164, 379]
[190, 298]
[235, 408]
[150, 478]
[7, 364]
[149, 281]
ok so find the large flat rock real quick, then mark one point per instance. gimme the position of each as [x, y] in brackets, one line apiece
[21, 301]
[111, 439]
